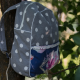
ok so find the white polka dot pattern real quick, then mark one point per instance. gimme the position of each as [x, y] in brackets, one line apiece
[40, 22]
[25, 68]
[21, 45]
[55, 33]
[36, 29]
[46, 14]
[16, 51]
[2, 42]
[18, 5]
[22, 31]
[16, 36]
[27, 39]
[20, 59]
[31, 37]
[20, 73]
[37, 44]
[32, 8]
[56, 25]
[28, 19]
[20, 13]
[42, 36]
[25, 3]
[51, 35]
[16, 25]
[46, 42]
[1, 29]
[46, 28]
[14, 65]
[53, 40]
[52, 20]
[13, 43]
[27, 53]
[37, 6]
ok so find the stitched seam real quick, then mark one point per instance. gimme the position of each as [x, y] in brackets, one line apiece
[30, 39]
[24, 15]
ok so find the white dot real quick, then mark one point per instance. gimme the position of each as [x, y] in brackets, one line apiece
[55, 33]
[2, 42]
[32, 8]
[20, 73]
[46, 28]
[36, 29]
[37, 44]
[16, 25]
[50, 35]
[56, 25]
[21, 45]
[37, 6]
[22, 31]
[42, 36]
[1, 29]
[52, 20]
[18, 5]
[20, 59]
[40, 22]
[16, 51]
[14, 65]
[28, 19]
[20, 13]
[27, 39]
[13, 43]
[46, 14]
[16, 36]
[25, 68]
[25, 3]
[34, 14]
[53, 40]
[41, 15]
[31, 37]
[46, 42]
[27, 53]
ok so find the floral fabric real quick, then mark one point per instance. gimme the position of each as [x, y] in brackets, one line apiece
[43, 60]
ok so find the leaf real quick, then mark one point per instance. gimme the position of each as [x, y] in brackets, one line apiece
[78, 51]
[78, 28]
[76, 38]
[70, 27]
[78, 8]
[62, 28]
[73, 20]
[77, 74]
[78, 17]
[68, 45]
[65, 25]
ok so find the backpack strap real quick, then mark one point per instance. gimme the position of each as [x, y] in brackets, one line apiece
[3, 46]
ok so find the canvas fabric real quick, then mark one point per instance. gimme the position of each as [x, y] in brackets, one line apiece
[36, 40]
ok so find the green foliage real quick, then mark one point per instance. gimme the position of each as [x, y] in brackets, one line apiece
[77, 75]
[76, 38]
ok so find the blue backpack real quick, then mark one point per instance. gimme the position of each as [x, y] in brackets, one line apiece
[35, 48]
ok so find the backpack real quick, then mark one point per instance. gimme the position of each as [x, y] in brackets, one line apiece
[35, 48]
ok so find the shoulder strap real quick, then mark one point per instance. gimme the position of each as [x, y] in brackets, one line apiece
[2, 29]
